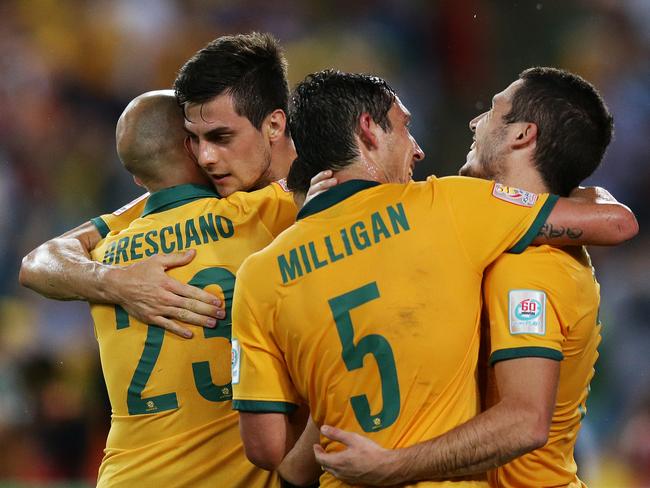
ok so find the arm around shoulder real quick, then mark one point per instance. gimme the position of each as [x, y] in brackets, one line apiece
[589, 216]
[61, 268]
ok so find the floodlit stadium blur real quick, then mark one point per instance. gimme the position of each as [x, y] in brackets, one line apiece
[70, 67]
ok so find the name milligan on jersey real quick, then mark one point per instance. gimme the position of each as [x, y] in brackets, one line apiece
[357, 237]
[196, 231]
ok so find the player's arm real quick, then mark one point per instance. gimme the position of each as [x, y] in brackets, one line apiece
[62, 269]
[269, 437]
[299, 466]
[590, 216]
[517, 424]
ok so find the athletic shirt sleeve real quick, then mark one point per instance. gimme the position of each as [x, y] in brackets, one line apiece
[260, 377]
[490, 218]
[276, 208]
[523, 319]
[121, 218]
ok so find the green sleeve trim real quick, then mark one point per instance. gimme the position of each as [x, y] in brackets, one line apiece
[525, 352]
[535, 227]
[101, 226]
[263, 406]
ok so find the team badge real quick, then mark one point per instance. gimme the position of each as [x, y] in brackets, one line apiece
[527, 312]
[235, 361]
[514, 195]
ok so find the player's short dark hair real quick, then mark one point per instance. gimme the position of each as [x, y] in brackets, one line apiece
[250, 67]
[574, 126]
[324, 117]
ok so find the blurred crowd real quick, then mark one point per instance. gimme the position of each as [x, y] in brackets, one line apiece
[69, 67]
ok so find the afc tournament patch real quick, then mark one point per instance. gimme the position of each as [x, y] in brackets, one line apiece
[510, 194]
[235, 361]
[527, 312]
[283, 184]
[123, 209]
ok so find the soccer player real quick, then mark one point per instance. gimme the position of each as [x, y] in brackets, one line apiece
[542, 305]
[172, 418]
[234, 93]
[390, 351]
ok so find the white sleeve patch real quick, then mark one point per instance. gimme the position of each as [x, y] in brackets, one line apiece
[123, 209]
[527, 312]
[235, 361]
[510, 194]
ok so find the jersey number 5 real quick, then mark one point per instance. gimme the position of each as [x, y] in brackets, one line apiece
[353, 355]
[153, 344]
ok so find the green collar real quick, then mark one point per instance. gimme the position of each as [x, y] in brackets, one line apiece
[333, 196]
[176, 196]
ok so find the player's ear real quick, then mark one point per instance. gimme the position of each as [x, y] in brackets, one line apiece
[188, 149]
[367, 127]
[138, 181]
[525, 133]
[274, 125]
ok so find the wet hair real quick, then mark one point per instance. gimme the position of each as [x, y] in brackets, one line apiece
[574, 126]
[249, 67]
[324, 118]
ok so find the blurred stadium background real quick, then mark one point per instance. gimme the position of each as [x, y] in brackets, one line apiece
[69, 67]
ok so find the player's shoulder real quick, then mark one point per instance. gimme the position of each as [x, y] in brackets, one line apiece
[542, 264]
[272, 193]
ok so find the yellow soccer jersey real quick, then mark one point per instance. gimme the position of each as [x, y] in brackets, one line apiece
[368, 307]
[544, 303]
[172, 419]
[122, 217]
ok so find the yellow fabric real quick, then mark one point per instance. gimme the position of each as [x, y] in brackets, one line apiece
[572, 328]
[414, 254]
[122, 217]
[153, 442]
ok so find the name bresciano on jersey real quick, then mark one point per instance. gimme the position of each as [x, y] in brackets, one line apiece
[195, 231]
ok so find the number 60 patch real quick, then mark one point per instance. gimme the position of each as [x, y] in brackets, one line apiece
[527, 312]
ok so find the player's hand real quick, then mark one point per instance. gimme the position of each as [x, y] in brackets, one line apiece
[319, 183]
[149, 295]
[362, 462]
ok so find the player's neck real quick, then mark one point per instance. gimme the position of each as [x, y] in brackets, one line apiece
[523, 175]
[283, 154]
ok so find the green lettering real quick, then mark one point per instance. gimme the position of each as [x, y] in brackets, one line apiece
[378, 227]
[163, 240]
[314, 256]
[305, 258]
[120, 250]
[330, 250]
[289, 269]
[206, 224]
[230, 228]
[346, 241]
[179, 236]
[135, 245]
[149, 239]
[398, 218]
[109, 254]
[191, 235]
[360, 238]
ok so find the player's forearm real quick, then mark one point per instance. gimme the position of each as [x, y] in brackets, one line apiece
[299, 467]
[591, 216]
[491, 439]
[62, 269]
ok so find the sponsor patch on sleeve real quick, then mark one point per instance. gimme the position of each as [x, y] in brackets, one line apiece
[283, 184]
[527, 312]
[235, 361]
[123, 209]
[510, 194]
